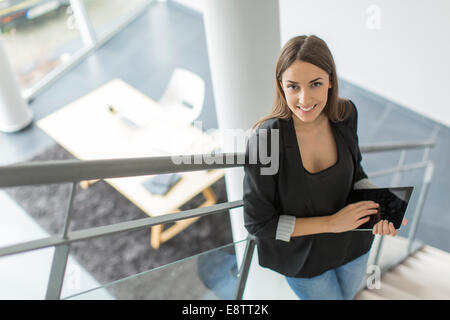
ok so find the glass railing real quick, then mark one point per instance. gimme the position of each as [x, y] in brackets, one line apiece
[124, 270]
[210, 275]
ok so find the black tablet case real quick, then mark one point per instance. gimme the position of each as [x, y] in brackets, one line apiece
[393, 203]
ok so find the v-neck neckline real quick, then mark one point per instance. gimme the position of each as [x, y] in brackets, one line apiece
[295, 140]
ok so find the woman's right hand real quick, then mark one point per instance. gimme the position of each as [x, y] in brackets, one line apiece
[352, 216]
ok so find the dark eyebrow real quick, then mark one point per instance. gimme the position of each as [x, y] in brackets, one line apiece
[309, 82]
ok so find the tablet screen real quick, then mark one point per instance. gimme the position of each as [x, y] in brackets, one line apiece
[393, 203]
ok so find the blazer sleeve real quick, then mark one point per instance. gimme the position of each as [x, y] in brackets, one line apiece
[359, 170]
[261, 212]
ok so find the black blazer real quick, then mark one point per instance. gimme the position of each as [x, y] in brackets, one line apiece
[266, 197]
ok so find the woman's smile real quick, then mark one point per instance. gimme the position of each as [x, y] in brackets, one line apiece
[306, 109]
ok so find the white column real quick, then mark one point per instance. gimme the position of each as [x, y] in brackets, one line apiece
[243, 39]
[14, 112]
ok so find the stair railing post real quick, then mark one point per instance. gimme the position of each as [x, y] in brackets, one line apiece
[243, 273]
[60, 256]
[420, 203]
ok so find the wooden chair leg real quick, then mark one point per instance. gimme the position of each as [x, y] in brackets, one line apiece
[155, 236]
[209, 196]
[87, 183]
[171, 232]
[159, 236]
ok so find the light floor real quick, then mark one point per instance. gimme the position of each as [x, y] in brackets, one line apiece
[25, 275]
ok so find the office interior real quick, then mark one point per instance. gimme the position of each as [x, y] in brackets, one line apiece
[390, 59]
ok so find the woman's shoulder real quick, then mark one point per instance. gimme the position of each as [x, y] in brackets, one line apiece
[269, 124]
[268, 132]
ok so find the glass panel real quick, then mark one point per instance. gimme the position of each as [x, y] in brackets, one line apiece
[106, 14]
[38, 36]
[210, 275]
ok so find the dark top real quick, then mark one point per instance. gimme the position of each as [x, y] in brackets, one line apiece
[292, 190]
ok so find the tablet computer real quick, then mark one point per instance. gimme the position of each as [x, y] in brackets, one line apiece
[393, 203]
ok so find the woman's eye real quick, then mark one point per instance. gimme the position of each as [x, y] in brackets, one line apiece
[295, 87]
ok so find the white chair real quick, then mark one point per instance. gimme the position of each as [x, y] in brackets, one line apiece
[184, 96]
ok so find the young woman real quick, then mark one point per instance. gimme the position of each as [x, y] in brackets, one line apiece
[298, 215]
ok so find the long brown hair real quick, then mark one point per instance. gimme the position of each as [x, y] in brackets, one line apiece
[313, 50]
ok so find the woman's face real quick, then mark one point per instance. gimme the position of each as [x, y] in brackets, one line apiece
[305, 85]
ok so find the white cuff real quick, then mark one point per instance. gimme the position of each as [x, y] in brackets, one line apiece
[364, 184]
[285, 227]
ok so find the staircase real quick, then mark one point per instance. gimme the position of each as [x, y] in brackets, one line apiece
[422, 276]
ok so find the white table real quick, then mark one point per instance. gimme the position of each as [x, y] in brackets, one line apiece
[89, 130]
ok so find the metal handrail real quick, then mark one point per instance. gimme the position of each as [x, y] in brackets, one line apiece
[64, 171]
[96, 232]
[402, 145]
[72, 171]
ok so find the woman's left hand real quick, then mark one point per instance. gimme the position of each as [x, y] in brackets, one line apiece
[384, 227]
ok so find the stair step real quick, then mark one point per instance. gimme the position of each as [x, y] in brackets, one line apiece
[423, 275]
[439, 254]
[428, 273]
[413, 283]
[368, 295]
[391, 292]
[435, 269]
[431, 262]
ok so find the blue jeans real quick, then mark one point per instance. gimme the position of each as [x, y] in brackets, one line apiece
[341, 283]
[218, 272]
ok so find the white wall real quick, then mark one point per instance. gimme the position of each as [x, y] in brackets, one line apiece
[398, 49]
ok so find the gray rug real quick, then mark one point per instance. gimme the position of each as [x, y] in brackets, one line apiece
[114, 257]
